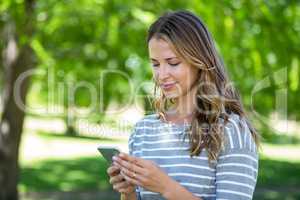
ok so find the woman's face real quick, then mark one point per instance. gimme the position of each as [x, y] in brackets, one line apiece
[173, 75]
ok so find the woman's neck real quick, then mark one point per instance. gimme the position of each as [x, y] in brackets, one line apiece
[183, 108]
[184, 105]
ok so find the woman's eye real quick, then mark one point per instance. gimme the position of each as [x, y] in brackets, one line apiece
[155, 65]
[174, 64]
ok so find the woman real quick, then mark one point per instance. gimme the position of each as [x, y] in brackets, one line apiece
[199, 144]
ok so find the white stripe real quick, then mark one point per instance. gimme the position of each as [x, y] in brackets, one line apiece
[130, 142]
[196, 194]
[159, 134]
[204, 195]
[191, 175]
[158, 120]
[253, 144]
[166, 148]
[236, 183]
[197, 185]
[151, 120]
[237, 165]
[134, 152]
[148, 192]
[250, 141]
[235, 174]
[238, 155]
[158, 142]
[230, 138]
[233, 192]
[187, 165]
[172, 157]
[154, 127]
[237, 131]
[245, 135]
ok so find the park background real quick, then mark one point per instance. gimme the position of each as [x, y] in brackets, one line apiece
[74, 74]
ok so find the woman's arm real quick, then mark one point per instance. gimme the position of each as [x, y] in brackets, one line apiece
[237, 164]
[175, 191]
[131, 196]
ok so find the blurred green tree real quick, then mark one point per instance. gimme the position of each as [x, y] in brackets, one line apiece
[17, 59]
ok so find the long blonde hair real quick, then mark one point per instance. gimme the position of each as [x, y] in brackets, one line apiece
[216, 98]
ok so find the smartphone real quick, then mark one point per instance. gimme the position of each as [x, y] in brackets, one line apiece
[108, 152]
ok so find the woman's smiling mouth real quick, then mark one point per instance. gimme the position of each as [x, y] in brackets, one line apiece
[167, 86]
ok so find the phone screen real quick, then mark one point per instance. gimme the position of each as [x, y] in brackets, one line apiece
[108, 153]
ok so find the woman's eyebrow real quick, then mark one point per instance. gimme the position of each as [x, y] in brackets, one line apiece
[165, 58]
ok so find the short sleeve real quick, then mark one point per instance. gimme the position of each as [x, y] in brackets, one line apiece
[237, 166]
[131, 142]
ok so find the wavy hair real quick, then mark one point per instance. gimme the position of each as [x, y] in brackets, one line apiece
[216, 98]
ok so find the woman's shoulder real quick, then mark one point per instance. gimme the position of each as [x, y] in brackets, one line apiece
[237, 134]
[148, 120]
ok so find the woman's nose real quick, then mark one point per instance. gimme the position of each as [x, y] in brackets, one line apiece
[163, 73]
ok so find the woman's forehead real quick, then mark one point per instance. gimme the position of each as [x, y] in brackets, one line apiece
[160, 49]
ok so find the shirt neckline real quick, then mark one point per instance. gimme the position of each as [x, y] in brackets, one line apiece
[172, 124]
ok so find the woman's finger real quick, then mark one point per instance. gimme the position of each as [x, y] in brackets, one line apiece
[116, 179]
[113, 170]
[133, 181]
[131, 159]
[121, 185]
[131, 174]
[126, 190]
[129, 166]
[133, 177]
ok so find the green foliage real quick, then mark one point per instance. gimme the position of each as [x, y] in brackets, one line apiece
[77, 40]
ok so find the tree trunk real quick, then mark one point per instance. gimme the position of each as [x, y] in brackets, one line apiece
[17, 60]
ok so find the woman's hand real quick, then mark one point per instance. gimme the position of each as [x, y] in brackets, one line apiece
[118, 181]
[144, 173]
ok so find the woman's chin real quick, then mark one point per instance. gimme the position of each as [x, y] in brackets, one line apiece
[171, 95]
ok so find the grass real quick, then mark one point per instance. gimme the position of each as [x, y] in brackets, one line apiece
[278, 180]
[52, 164]
[55, 162]
[88, 173]
[41, 146]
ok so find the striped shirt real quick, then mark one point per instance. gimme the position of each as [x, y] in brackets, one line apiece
[233, 176]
